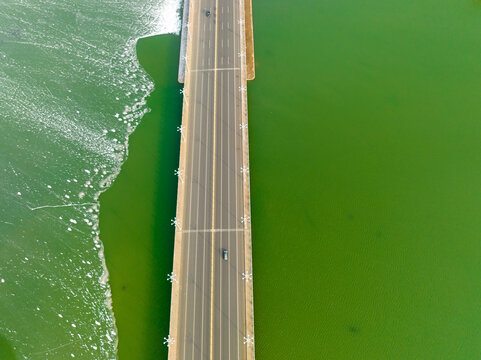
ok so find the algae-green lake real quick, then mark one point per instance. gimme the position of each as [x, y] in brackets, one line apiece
[364, 127]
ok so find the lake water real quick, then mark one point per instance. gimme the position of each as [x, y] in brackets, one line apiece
[365, 178]
[72, 91]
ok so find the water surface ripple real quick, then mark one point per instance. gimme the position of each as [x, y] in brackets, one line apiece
[72, 91]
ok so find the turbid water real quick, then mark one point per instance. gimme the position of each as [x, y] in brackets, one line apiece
[136, 211]
[72, 91]
[365, 171]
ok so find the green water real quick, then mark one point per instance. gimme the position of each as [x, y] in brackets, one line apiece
[71, 92]
[6, 351]
[136, 211]
[365, 177]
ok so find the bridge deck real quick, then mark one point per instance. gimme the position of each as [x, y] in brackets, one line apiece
[211, 315]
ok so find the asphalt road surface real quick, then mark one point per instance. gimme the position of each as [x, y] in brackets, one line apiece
[212, 295]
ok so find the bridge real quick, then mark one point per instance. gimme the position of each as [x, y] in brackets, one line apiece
[212, 297]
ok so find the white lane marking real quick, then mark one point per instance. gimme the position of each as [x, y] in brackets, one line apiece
[205, 224]
[235, 201]
[205, 204]
[237, 187]
[235, 10]
[213, 189]
[190, 82]
[209, 130]
[221, 97]
[217, 69]
[212, 230]
[198, 193]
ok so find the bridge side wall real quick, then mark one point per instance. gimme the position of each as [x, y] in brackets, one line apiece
[247, 198]
[251, 63]
[185, 54]
[183, 41]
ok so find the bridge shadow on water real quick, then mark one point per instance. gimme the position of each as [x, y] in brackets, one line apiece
[136, 211]
[6, 350]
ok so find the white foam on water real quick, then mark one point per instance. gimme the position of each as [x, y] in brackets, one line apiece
[166, 18]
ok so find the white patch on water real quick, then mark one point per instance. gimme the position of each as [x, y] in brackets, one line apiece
[72, 92]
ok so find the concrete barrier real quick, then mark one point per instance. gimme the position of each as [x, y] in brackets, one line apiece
[183, 41]
[249, 29]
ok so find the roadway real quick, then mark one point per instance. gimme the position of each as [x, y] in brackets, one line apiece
[211, 304]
